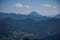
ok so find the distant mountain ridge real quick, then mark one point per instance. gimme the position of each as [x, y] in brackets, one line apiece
[40, 25]
[32, 15]
[31, 26]
[57, 16]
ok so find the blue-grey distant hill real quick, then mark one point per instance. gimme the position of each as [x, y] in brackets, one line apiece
[28, 23]
[33, 15]
[57, 16]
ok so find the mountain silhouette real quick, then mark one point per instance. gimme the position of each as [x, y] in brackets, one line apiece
[57, 16]
[34, 14]
[28, 23]
[31, 26]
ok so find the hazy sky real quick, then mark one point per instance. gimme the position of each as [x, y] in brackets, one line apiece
[43, 7]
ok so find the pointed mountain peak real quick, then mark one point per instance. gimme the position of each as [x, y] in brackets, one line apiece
[34, 14]
[58, 15]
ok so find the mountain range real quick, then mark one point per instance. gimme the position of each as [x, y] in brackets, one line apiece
[32, 15]
[32, 23]
[57, 16]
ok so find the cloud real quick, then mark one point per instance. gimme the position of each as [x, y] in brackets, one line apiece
[48, 5]
[19, 5]
[27, 6]
[54, 6]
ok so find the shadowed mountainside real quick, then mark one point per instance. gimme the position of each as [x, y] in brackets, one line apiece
[44, 26]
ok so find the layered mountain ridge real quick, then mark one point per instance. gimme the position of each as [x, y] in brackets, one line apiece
[32, 23]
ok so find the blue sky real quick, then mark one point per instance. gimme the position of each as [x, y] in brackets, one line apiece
[42, 7]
